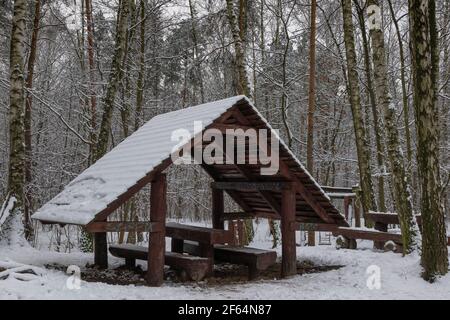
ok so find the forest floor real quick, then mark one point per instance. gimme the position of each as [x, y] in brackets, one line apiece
[324, 273]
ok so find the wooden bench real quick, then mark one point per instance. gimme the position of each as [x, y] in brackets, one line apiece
[388, 218]
[351, 234]
[198, 234]
[206, 237]
[256, 260]
[195, 268]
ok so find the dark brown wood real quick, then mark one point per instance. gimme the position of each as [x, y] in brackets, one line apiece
[217, 208]
[230, 216]
[305, 193]
[233, 194]
[196, 268]
[266, 195]
[314, 227]
[117, 226]
[257, 260]
[156, 250]
[331, 190]
[243, 185]
[249, 215]
[241, 232]
[388, 218]
[199, 234]
[101, 250]
[353, 233]
[130, 263]
[207, 251]
[177, 245]
[289, 255]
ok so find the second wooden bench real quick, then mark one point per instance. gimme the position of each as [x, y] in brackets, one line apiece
[256, 260]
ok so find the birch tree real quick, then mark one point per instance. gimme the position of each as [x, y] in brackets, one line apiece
[434, 256]
[377, 123]
[238, 25]
[16, 177]
[362, 149]
[114, 78]
[402, 192]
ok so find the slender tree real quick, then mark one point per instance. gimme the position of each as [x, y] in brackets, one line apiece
[141, 74]
[16, 177]
[238, 26]
[405, 99]
[377, 123]
[114, 77]
[402, 192]
[362, 149]
[91, 61]
[434, 240]
[311, 100]
[27, 117]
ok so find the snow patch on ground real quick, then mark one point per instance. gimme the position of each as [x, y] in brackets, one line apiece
[399, 277]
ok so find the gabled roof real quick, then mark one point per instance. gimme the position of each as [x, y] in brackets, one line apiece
[131, 164]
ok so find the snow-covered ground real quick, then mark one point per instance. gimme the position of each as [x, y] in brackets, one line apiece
[399, 279]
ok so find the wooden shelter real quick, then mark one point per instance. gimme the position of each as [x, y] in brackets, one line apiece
[291, 195]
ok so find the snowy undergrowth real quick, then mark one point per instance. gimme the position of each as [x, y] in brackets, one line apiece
[399, 278]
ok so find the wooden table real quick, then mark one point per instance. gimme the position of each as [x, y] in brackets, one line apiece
[206, 238]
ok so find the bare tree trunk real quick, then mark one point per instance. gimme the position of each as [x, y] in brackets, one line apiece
[367, 197]
[377, 124]
[434, 240]
[311, 101]
[114, 78]
[92, 93]
[196, 51]
[402, 195]
[141, 75]
[238, 27]
[27, 118]
[404, 89]
[16, 177]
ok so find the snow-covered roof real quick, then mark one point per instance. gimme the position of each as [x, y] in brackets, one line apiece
[132, 160]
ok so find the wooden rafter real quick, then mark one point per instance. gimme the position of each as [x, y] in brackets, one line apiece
[117, 226]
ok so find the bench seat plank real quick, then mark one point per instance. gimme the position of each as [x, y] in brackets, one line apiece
[356, 233]
[196, 268]
[198, 234]
[256, 259]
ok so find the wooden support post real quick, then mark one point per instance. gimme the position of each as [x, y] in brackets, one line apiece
[217, 208]
[207, 251]
[101, 250]
[289, 257]
[157, 245]
[241, 233]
